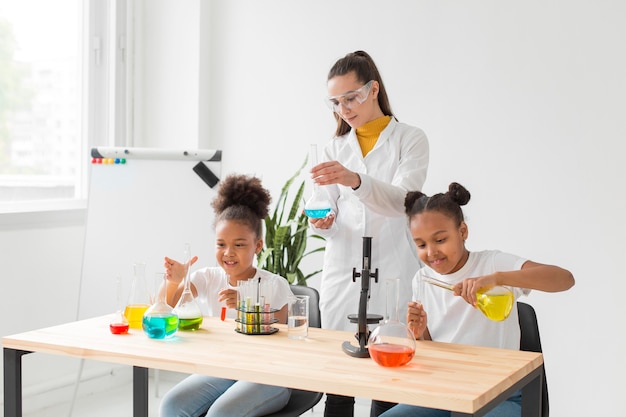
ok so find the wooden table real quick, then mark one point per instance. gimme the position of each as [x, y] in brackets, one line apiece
[467, 380]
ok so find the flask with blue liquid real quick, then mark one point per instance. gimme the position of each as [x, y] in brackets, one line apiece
[318, 205]
[160, 321]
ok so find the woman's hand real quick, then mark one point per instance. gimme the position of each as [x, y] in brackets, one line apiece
[228, 296]
[324, 222]
[332, 172]
[417, 319]
[176, 271]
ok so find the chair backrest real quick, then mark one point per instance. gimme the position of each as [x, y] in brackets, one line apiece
[530, 341]
[315, 319]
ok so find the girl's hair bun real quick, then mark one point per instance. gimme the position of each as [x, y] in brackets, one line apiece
[458, 194]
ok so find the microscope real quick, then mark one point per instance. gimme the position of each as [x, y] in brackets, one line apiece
[362, 318]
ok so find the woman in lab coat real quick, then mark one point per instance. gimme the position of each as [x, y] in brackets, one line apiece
[368, 167]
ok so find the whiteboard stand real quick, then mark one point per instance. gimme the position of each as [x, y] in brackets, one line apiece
[144, 204]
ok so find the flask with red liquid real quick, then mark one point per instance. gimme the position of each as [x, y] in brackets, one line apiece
[392, 343]
[119, 323]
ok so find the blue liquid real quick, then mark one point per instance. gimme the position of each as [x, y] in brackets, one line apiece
[317, 213]
[160, 326]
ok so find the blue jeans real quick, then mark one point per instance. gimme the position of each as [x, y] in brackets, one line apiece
[196, 394]
[512, 407]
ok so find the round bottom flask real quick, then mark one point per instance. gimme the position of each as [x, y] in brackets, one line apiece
[160, 321]
[392, 343]
[495, 303]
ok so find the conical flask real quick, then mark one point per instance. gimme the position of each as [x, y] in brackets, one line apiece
[318, 205]
[187, 308]
[139, 298]
[160, 321]
[392, 343]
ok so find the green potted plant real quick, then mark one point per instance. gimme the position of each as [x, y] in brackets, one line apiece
[286, 236]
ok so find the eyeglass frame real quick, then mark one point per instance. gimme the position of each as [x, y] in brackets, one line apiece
[333, 102]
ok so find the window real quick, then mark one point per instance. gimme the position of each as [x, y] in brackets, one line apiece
[62, 70]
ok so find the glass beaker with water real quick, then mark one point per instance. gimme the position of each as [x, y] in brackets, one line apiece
[392, 343]
[160, 320]
[187, 308]
[139, 298]
[495, 303]
[318, 205]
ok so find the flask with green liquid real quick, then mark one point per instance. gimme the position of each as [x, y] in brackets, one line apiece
[187, 308]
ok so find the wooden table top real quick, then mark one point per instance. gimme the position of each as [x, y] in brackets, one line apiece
[441, 375]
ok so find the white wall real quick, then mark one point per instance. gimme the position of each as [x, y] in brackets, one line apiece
[523, 103]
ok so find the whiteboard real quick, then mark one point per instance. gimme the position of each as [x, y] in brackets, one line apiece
[144, 204]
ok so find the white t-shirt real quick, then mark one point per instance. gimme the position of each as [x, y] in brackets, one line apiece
[451, 319]
[211, 280]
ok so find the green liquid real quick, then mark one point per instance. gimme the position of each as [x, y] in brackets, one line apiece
[190, 324]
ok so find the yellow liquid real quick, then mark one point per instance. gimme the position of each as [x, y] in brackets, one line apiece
[134, 314]
[496, 307]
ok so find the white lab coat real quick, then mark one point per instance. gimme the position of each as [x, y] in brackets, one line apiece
[397, 164]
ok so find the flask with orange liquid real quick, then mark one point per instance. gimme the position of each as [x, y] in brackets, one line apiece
[392, 343]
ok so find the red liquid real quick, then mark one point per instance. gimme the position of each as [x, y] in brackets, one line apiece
[118, 328]
[223, 313]
[387, 354]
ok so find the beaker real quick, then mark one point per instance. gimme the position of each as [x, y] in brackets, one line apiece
[119, 323]
[160, 320]
[187, 308]
[495, 303]
[392, 343]
[318, 205]
[139, 298]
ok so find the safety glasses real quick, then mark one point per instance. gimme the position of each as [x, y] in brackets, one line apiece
[349, 100]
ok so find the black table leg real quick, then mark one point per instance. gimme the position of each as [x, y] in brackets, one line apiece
[13, 382]
[140, 391]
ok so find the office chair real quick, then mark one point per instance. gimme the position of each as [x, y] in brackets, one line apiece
[302, 401]
[531, 342]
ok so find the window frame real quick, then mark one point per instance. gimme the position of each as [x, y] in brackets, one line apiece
[106, 93]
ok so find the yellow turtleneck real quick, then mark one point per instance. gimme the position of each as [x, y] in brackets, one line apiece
[368, 134]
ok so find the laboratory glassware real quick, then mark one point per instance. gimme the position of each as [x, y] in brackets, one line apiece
[160, 321]
[119, 323]
[392, 343]
[495, 303]
[187, 308]
[255, 316]
[318, 205]
[139, 298]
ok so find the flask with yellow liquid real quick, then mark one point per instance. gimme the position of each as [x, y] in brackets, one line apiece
[139, 299]
[495, 303]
